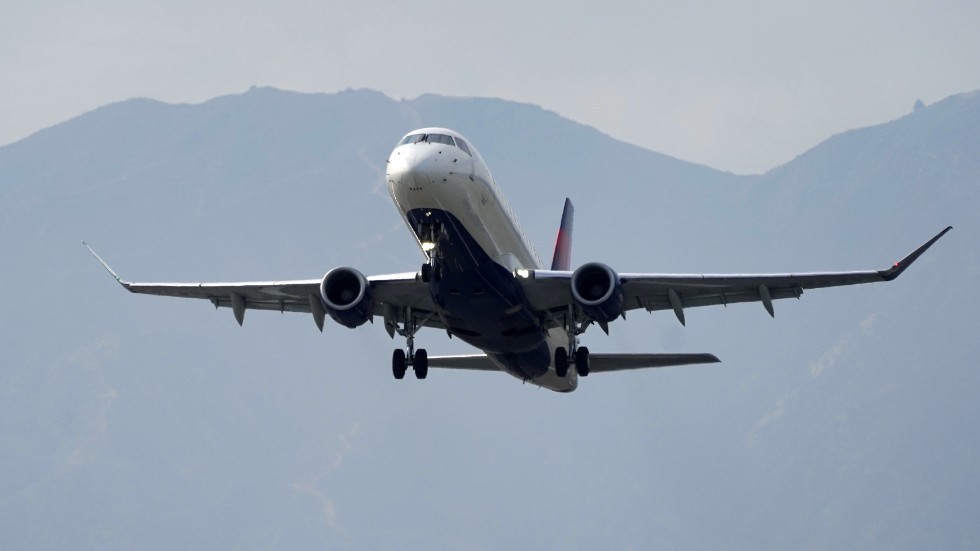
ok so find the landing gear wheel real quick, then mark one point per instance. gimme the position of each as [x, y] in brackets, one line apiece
[582, 361]
[431, 272]
[398, 364]
[421, 363]
[561, 362]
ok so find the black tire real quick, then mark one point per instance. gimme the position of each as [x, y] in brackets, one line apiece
[561, 362]
[582, 361]
[398, 364]
[421, 363]
[426, 272]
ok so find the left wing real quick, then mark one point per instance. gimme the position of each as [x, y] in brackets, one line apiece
[549, 292]
[402, 292]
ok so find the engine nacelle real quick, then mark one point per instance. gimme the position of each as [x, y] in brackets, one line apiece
[598, 291]
[346, 296]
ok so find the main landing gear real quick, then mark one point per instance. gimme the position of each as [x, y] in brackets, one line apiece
[418, 360]
[579, 355]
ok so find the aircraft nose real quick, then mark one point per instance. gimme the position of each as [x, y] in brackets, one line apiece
[413, 167]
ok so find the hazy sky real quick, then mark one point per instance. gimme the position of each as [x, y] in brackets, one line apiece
[740, 86]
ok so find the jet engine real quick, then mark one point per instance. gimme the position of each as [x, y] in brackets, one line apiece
[346, 296]
[598, 291]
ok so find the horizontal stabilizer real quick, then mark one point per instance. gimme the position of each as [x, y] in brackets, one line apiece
[599, 363]
[477, 362]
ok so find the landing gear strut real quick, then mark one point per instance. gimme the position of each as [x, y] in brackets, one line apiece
[418, 360]
[429, 234]
[579, 355]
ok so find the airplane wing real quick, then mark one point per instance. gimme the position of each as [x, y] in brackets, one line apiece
[601, 363]
[399, 291]
[549, 292]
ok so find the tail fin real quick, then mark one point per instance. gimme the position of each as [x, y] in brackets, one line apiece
[563, 245]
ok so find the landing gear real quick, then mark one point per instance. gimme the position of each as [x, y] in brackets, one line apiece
[579, 355]
[561, 362]
[421, 364]
[431, 271]
[398, 363]
[430, 234]
[582, 361]
[418, 360]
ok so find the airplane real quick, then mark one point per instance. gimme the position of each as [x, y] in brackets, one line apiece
[482, 281]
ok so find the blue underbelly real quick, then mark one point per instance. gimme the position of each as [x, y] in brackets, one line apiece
[480, 301]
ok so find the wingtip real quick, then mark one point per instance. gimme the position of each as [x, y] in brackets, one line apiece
[106, 266]
[900, 266]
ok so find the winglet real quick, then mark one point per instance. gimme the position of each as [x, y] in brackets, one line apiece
[563, 245]
[901, 265]
[106, 266]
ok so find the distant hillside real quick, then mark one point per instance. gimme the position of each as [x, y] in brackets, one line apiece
[929, 161]
[132, 422]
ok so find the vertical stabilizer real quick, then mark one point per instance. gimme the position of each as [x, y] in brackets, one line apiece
[563, 245]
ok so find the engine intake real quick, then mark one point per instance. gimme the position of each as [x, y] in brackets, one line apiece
[598, 291]
[346, 296]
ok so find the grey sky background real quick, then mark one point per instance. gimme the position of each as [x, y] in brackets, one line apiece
[738, 86]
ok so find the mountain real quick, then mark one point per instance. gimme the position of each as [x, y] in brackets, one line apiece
[142, 422]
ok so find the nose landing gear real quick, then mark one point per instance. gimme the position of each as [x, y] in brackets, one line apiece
[429, 234]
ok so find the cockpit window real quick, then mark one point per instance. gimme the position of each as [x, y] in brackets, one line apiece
[440, 138]
[436, 138]
[462, 145]
[411, 138]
